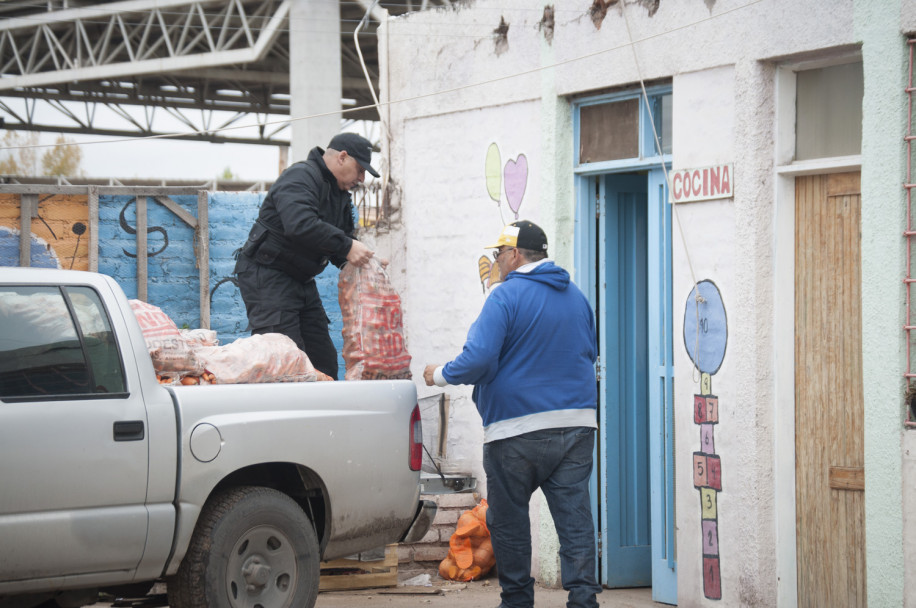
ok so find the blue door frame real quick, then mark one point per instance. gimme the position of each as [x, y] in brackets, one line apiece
[661, 392]
[623, 236]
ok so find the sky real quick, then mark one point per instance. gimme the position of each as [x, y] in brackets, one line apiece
[129, 158]
[173, 159]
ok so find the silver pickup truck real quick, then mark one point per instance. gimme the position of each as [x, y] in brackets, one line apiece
[232, 494]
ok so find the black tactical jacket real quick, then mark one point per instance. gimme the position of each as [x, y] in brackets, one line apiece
[304, 222]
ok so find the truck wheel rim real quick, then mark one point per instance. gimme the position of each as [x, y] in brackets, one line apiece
[262, 571]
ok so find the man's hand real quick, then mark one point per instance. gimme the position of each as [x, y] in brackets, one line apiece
[359, 254]
[428, 374]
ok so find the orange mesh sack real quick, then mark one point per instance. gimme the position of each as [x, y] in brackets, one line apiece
[374, 347]
[171, 353]
[470, 552]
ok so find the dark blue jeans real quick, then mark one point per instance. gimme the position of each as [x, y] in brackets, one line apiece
[559, 461]
[277, 303]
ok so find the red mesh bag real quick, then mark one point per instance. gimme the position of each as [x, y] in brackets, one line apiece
[171, 353]
[470, 552]
[374, 347]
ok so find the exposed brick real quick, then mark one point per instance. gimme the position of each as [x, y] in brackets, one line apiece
[463, 501]
[430, 554]
[432, 536]
[446, 518]
[405, 554]
[445, 530]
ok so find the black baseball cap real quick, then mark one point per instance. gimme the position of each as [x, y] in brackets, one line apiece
[523, 235]
[356, 146]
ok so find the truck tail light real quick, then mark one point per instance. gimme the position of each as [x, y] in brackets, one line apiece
[416, 439]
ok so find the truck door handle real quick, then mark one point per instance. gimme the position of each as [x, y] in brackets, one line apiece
[128, 430]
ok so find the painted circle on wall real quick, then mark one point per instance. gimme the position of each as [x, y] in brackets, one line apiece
[705, 327]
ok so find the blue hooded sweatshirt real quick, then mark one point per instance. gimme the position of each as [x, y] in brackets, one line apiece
[531, 353]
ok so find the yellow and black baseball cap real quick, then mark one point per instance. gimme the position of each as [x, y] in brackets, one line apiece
[522, 234]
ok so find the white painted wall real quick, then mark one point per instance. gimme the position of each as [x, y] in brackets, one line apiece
[704, 112]
[454, 89]
[883, 267]
[451, 203]
[717, 241]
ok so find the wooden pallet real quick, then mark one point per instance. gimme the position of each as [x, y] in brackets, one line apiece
[349, 573]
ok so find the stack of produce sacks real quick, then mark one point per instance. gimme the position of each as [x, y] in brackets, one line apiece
[195, 356]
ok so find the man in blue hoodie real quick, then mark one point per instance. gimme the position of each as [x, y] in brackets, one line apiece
[530, 356]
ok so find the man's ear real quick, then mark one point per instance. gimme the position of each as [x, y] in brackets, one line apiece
[342, 157]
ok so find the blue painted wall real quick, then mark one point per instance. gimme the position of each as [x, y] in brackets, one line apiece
[173, 283]
[40, 255]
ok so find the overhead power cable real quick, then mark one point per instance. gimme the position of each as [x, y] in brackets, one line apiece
[677, 218]
[380, 104]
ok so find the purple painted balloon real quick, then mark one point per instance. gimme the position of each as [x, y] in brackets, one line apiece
[515, 177]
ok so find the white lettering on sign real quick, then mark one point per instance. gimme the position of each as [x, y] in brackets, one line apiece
[702, 184]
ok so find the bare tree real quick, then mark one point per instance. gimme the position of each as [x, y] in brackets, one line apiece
[64, 159]
[20, 156]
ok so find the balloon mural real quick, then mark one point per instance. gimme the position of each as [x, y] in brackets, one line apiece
[513, 177]
[489, 272]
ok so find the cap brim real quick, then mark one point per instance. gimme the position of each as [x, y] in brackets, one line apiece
[500, 242]
[368, 168]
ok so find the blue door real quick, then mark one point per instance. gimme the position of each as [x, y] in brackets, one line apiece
[624, 381]
[624, 265]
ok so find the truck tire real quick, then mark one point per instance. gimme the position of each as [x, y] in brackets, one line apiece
[253, 547]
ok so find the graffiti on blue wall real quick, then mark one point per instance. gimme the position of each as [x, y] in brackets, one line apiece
[172, 282]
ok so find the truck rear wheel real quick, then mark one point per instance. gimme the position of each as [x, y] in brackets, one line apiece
[253, 547]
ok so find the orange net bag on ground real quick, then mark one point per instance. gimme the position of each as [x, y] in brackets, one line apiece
[374, 347]
[470, 552]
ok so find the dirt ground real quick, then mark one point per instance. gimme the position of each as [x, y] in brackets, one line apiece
[476, 594]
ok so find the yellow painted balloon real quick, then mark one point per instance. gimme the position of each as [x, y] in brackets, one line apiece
[494, 172]
[494, 275]
[483, 267]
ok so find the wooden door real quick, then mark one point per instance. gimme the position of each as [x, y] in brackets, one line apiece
[829, 447]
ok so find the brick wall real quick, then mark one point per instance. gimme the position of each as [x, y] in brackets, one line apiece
[172, 273]
[423, 557]
[59, 240]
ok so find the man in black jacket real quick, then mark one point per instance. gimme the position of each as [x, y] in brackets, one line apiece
[305, 221]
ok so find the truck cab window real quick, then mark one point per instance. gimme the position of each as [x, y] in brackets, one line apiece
[45, 351]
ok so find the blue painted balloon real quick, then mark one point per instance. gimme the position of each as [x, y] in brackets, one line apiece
[705, 327]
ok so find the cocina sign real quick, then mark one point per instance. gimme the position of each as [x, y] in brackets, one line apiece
[702, 184]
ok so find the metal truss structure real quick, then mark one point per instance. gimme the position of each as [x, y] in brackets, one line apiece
[121, 68]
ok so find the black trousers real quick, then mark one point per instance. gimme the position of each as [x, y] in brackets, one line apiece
[277, 303]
